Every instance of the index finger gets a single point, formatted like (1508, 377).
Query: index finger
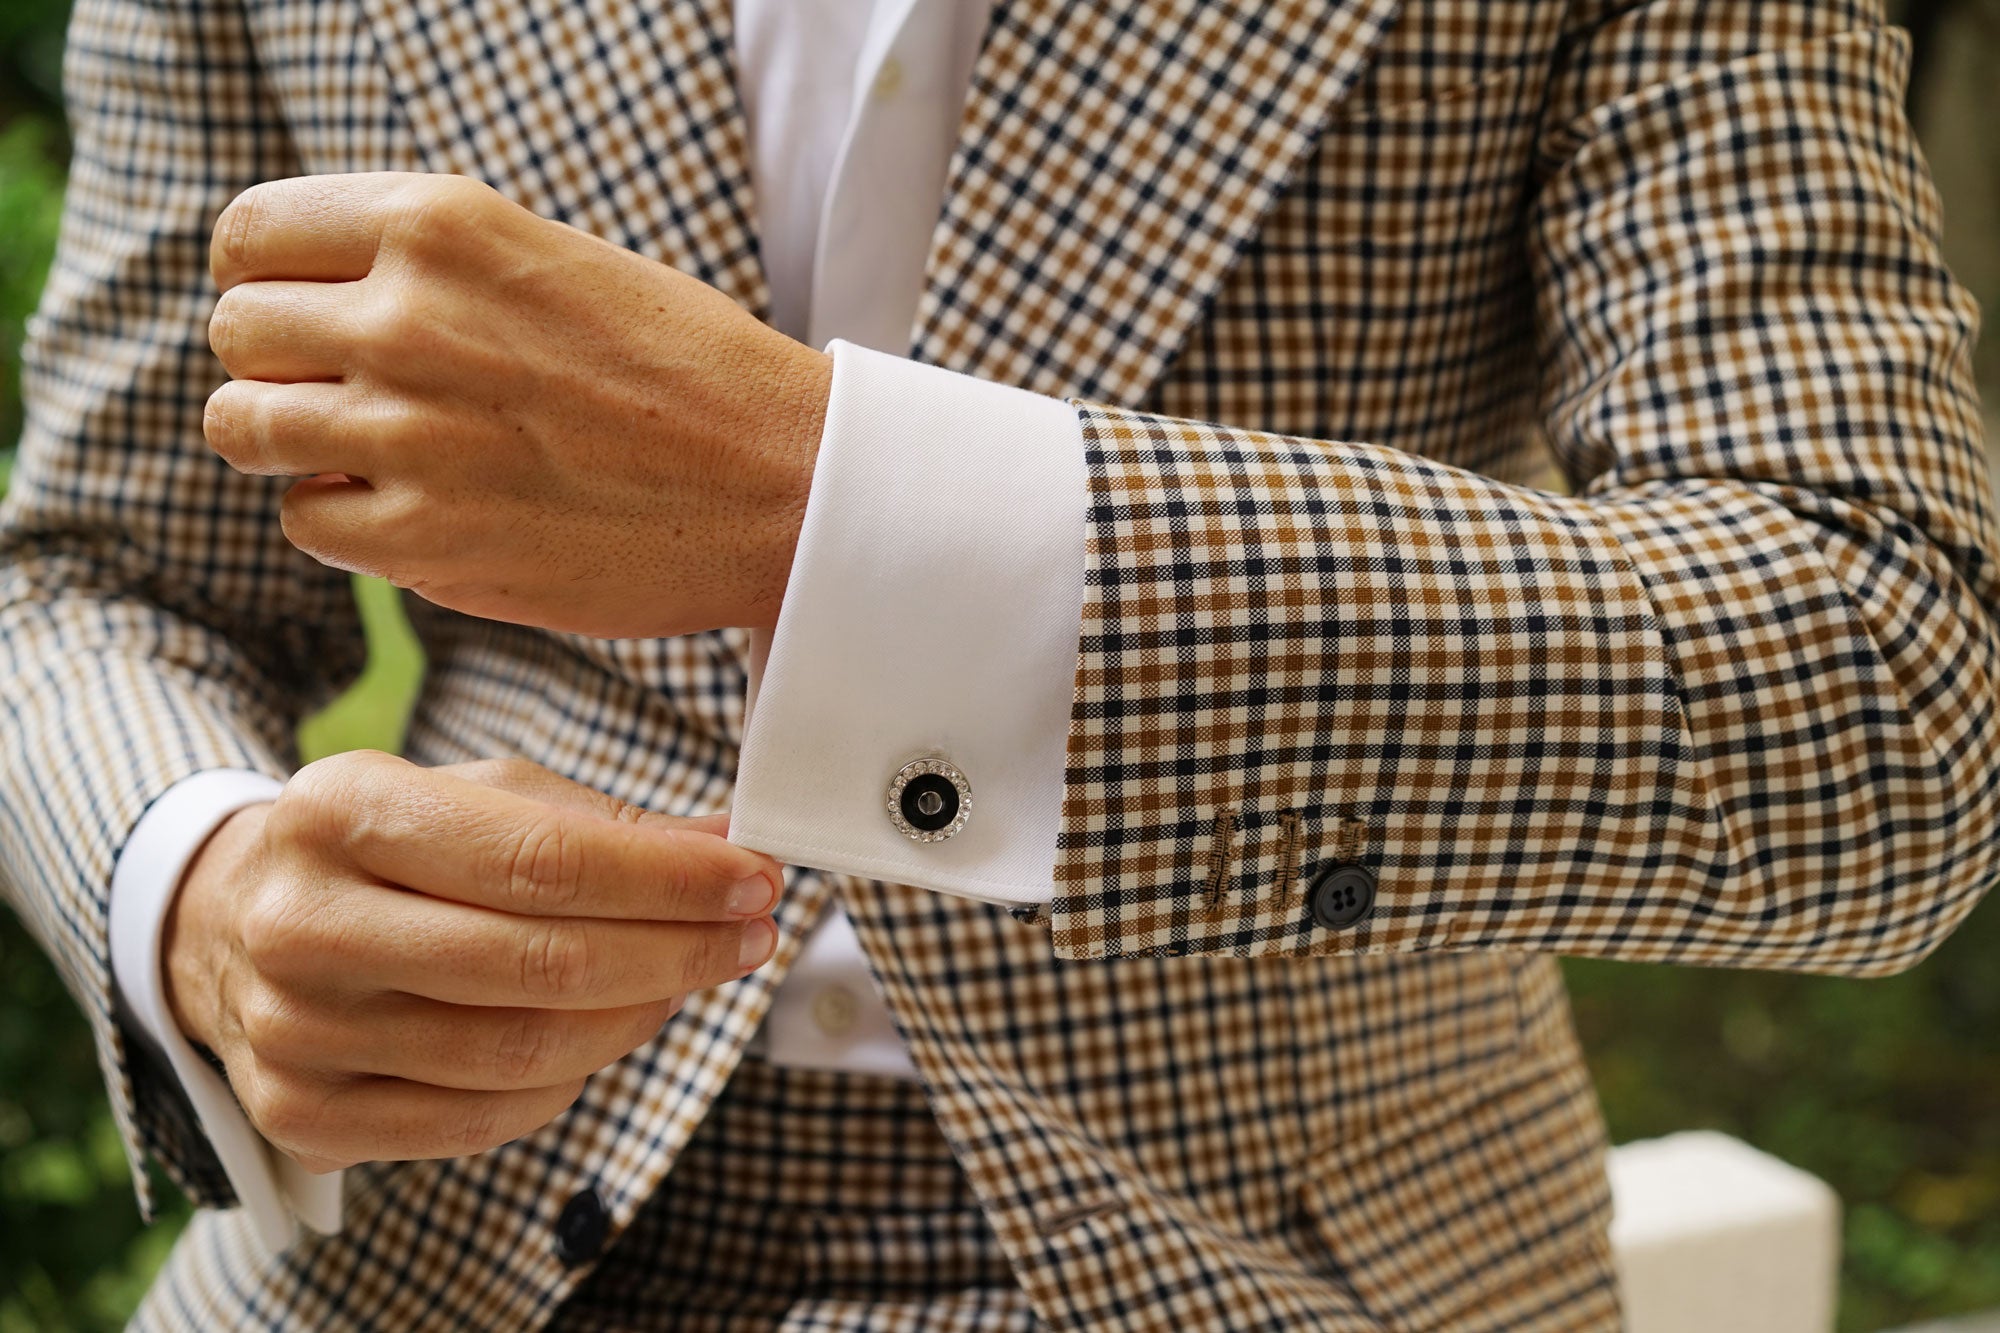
(306, 228)
(450, 838)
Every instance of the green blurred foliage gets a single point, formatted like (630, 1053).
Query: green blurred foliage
(30, 206)
(1889, 1090)
(32, 149)
(73, 1254)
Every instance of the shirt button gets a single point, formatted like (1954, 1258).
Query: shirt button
(581, 1228)
(1342, 895)
(834, 1011)
(888, 79)
(929, 800)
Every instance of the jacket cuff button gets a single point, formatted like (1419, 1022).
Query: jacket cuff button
(1341, 896)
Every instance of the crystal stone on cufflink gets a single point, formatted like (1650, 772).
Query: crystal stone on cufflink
(929, 800)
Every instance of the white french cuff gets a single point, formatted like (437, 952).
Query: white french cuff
(272, 1188)
(931, 620)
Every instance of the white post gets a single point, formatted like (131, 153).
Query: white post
(1712, 1236)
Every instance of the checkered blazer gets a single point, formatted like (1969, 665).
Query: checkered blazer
(1532, 456)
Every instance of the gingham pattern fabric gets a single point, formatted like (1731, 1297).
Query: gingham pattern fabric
(807, 1202)
(1732, 701)
(1727, 702)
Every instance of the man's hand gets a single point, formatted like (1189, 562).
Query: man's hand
(396, 962)
(506, 415)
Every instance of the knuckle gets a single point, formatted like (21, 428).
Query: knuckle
(222, 423)
(509, 773)
(272, 928)
(514, 768)
(437, 215)
(482, 772)
(302, 529)
(405, 517)
(283, 1110)
(242, 424)
(482, 1125)
(524, 1051)
(331, 803)
(271, 1025)
(385, 533)
(556, 960)
(648, 1021)
(710, 961)
(313, 799)
(262, 422)
(225, 327)
(235, 234)
(680, 891)
(393, 327)
(439, 221)
(547, 866)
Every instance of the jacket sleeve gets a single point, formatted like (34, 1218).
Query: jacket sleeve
(1730, 700)
(154, 622)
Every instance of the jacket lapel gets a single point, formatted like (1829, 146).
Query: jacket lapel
(1113, 160)
(620, 118)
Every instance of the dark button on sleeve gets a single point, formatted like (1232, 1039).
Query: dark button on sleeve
(1342, 895)
(581, 1228)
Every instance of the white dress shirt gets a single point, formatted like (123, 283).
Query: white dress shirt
(934, 602)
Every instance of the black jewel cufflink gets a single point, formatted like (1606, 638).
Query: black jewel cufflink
(929, 800)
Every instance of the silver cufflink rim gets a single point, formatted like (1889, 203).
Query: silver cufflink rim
(913, 770)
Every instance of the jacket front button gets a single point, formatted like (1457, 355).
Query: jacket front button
(581, 1228)
(1341, 895)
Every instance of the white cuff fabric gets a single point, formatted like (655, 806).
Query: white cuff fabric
(932, 613)
(272, 1188)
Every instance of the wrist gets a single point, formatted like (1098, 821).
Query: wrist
(192, 937)
(797, 420)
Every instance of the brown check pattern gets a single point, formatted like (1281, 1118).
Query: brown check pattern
(806, 1202)
(1592, 540)
(1727, 702)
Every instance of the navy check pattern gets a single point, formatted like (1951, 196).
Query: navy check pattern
(1728, 700)
(1532, 456)
(808, 1202)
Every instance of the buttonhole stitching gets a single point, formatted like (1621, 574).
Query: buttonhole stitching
(1348, 840)
(1289, 828)
(1064, 1218)
(1221, 856)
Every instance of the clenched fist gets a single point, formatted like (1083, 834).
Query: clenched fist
(506, 415)
(396, 962)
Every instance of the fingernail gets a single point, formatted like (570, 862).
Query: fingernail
(751, 896)
(758, 937)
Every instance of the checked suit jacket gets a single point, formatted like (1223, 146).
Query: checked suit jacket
(1532, 456)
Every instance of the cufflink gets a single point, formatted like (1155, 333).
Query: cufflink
(929, 800)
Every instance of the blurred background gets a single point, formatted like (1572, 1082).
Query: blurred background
(1888, 1090)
